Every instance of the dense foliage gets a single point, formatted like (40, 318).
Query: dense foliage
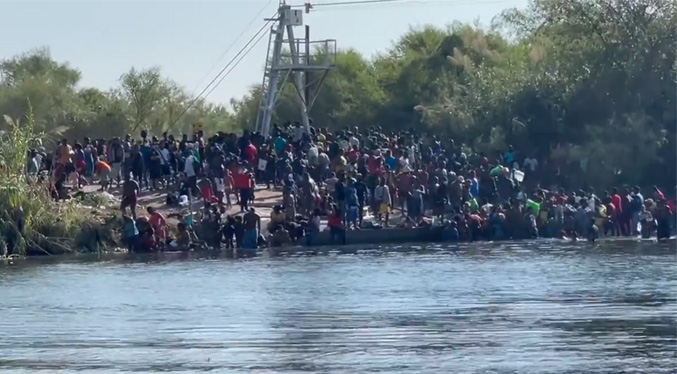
(31, 223)
(144, 99)
(588, 84)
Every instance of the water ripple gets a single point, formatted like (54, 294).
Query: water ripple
(542, 307)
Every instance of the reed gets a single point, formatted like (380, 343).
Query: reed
(31, 222)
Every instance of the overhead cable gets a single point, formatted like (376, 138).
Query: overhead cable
(220, 74)
(256, 17)
(236, 64)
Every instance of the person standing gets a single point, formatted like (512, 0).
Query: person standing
(190, 172)
(130, 193)
(252, 225)
(383, 202)
(116, 159)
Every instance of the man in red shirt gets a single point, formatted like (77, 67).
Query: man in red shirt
(616, 200)
(251, 153)
(353, 155)
(375, 163)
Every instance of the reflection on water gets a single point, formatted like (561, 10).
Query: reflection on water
(509, 308)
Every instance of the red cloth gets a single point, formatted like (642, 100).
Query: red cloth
(251, 153)
(241, 181)
(207, 193)
(81, 165)
(374, 164)
(353, 156)
(335, 220)
(617, 202)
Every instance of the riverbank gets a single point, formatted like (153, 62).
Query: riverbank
(264, 203)
(103, 235)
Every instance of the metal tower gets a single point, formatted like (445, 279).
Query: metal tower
(293, 58)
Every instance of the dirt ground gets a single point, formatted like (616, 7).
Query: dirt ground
(264, 202)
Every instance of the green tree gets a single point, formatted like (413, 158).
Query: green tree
(144, 89)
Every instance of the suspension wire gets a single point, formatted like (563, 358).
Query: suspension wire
(355, 2)
(219, 75)
(409, 2)
(236, 64)
(230, 47)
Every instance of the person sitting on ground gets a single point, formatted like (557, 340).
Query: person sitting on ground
(159, 224)
(280, 237)
(277, 218)
(146, 241)
(183, 241)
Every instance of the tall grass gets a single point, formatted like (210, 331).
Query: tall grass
(31, 222)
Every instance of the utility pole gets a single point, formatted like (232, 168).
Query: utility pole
(291, 59)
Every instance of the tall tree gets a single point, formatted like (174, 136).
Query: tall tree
(144, 89)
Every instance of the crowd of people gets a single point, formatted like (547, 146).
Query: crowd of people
(357, 178)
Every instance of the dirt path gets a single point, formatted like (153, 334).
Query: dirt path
(264, 202)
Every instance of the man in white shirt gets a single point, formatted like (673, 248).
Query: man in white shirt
(530, 164)
(313, 154)
(299, 130)
(189, 170)
(344, 144)
(353, 141)
(166, 156)
(331, 183)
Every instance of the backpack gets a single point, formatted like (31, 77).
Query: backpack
(636, 203)
(118, 153)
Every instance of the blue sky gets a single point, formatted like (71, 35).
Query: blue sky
(104, 38)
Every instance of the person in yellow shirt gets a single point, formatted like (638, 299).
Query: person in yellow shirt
(601, 216)
(277, 218)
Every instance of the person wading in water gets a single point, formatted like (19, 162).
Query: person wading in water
(252, 224)
(130, 193)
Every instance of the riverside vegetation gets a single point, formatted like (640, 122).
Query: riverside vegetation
(589, 84)
(31, 223)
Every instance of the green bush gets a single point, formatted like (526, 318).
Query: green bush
(31, 222)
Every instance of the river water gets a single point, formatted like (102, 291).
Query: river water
(508, 308)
